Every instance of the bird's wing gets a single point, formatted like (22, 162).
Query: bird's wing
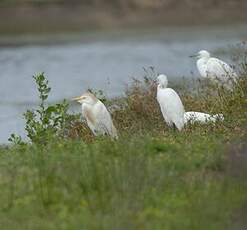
(198, 117)
(176, 105)
(220, 69)
(190, 117)
(171, 106)
(89, 117)
(104, 120)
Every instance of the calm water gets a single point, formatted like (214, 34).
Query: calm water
(104, 61)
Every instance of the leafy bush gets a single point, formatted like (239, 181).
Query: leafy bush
(47, 121)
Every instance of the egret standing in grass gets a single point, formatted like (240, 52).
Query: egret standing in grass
(97, 116)
(203, 118)
(170, 104)
(215, 69)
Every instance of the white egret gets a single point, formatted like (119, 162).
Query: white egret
(97, 116)
(215, 69)
(192, 117)
(170, 103)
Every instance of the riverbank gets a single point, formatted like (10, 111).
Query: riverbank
(101, 60)
(151, 177)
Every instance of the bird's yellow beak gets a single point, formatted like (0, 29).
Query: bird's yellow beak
(77, 98)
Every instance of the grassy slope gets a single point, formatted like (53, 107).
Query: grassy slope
(151, 178)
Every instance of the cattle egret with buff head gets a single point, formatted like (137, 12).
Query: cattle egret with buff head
(96, 114)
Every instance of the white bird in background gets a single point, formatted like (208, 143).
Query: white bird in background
(170, 104)
(215, 69)
(203, 118)
(97, 116)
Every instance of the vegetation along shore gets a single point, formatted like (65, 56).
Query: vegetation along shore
(152, 177)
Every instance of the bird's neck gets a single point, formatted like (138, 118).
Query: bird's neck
(89, 105)
(162, 86)
(202, 66)
(86, 106)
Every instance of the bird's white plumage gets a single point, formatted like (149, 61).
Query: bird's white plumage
(215, 69)
(96, 115)
(192, 117)
(104, 121)
(170, 103)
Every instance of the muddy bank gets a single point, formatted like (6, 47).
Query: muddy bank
(36, 18)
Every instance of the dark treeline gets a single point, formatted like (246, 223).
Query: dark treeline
(132, 3)
(38, 16)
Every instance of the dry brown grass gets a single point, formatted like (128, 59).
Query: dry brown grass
(79, 130)
(141, 112)
(138, 112)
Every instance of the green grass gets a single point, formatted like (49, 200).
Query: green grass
(151, 178)
(175, 182)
